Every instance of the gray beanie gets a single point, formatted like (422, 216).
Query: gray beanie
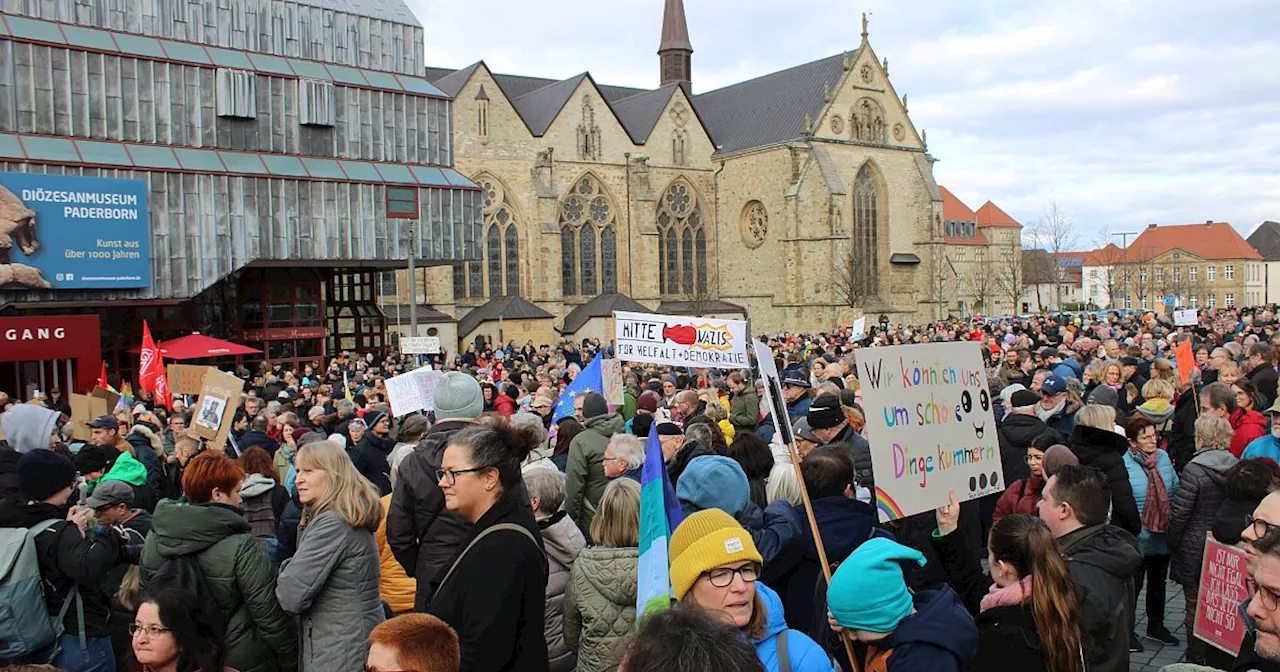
(458, 396)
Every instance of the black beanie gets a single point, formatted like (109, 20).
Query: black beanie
(825, 412)
(91, 459)
(42, 473)
(593, 404)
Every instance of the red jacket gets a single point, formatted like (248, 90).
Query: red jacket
(1021, 497)
(1249, 425)
(504, 405)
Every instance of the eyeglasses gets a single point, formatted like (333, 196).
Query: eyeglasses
(451, 475)
(1269, 599)
(1035, 458)
(136, 630)
(721, 577)
(1261, 528)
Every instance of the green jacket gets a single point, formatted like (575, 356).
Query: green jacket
(600, 605)
(260, 637)
(744, 411)
(128, 469)
(584, 470)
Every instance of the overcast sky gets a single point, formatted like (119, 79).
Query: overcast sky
(1126, 112)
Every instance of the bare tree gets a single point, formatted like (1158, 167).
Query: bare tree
(702, 298)
(1107, 259)
(1007, 272)
(1140, 272)
(1039, 269)
(853, 278)
(983, 286)
(1054, 232)
(943, 280)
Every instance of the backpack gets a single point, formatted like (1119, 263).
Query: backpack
(183, 573)
(26, 628)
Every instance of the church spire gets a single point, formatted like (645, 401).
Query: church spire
(675, 53)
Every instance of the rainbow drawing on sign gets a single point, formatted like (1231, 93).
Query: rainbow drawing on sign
(887, 506)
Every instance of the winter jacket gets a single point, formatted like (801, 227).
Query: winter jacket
(600, 605)
(27, 427)
(803, 654)
(584, 472)
(504, 405)
(287, 530)
(263, 501)
(282, 460)
(1182, 430)
(1194, 507)
(563, 542)
(1232, 517)
(1264, 380)
(331, 584)
(744, 411)
(1064, 421)
(149, 450)
(859, 451)
(940, 637)
(844, 523)
(1249, 426)
(773, 529)
(1007, 635)
(1263, 446)
(496, 597)
(1015, 435)
(9, 474)
(396, 587)
(1152, 543)
(681, 460)
(799, 408)
(260, 636)
(68, 558)
(131, 471)
(423, 534)
(253, 438)
(1102, 560)
(1104, 450)
(370, 457)
(1158, 411)
(1020, 497)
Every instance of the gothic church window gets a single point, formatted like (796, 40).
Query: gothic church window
(500, 266)
(683, 264)
(866, 219)
(586, 218)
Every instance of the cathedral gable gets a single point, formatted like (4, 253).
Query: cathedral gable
(586, 129)
(864, 107)
(678, 137)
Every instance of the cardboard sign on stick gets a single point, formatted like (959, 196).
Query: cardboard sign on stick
(930, 426)
(84, 408)
(219, 398)
(420, 345)
(186, 379)
(1223, 587)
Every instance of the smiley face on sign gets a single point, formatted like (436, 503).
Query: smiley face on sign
(966, 403)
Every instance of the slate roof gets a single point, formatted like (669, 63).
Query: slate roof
(1211, 240)
(640, 113)
(505, 307)
(426, 314)
(770, 109)
(451, 81)
(539, 107)
(1266, 240)
(395, 11)
(600, 306)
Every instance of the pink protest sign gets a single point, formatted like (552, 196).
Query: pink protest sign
(1223, 587)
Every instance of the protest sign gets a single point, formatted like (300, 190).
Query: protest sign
(1187, 317)
(420, 345)
(413, 391)
(930, 425)
(774, 401)
(1223, 588)
(611, 373)
(219, 397)
(676, 340)
(84, 408)
(185, 378)
(859, 331)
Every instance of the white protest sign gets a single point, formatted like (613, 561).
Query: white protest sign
(611, 373)
(1186, 317)
(774, 401)
(676, 340)
(930, 425)
(420, 345)
(859, 329)
(413, 391)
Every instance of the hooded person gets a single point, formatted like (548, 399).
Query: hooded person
(148, 448)
(25, 428)
(584, 471)
(718, 482)
(903, 632)
(370, 455)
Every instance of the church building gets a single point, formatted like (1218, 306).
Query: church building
(797, 199)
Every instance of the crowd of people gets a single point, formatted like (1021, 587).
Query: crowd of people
(490, 534)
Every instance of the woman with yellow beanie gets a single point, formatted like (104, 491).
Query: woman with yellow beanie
(715, 565)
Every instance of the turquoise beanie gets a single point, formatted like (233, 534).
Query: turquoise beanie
(713, 482)
(868, 591)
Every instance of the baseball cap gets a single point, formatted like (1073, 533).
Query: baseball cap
(105, 422)
(804, 431)
(1052, 385)
(109, 493)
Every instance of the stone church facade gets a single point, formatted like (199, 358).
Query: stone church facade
(797, 199)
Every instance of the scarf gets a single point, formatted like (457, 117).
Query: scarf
(1045, 414)
(1012, 595)
(1155, 514)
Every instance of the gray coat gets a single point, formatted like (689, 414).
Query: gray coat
(563, 542)
(1194, 508)
(331, 583)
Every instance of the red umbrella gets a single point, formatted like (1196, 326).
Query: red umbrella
(197, 346)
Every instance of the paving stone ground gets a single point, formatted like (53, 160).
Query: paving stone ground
(1156, 655)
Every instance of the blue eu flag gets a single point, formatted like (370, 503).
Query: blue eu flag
(589, 379)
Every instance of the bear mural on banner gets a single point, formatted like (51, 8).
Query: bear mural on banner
(18, 225)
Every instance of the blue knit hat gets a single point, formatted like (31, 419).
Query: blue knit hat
(868, 591)
(713, 482)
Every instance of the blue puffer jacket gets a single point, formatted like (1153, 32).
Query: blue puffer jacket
(804, 653)
(1263, 446)
(1152, 543)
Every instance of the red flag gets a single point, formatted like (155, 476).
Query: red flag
(1186, 359)
(149, 368)
(162, 395)
(102, 377)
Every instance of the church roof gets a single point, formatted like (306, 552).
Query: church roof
(505, 307)
(708, 306)
(675, 30)
(539, 107)
(1266, 240)
(600, 306)
(398, 312)
(640, 113)
(770, 109)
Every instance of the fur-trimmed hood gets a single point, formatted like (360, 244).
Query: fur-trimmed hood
(150, 434)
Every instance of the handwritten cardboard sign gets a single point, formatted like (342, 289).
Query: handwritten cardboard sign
(185, 378)
(1223, 587)
(84, 408)
(611, 375)
(217, 404)
(420, 345)
(930, 426)
(413, 391)
(676, 340)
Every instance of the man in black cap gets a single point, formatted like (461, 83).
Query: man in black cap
(795, 390)
(1017, 430)
(72, 555)
(828, 423)
(584, 471)
(112, 505)
(371, 454)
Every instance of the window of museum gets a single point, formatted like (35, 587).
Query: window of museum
(1229, 273)
(587, 218)
(387, 285)
(1177, 275)
(402, 202)
(1213, 301)
(1159, 275)
(315, 103)
(236, 92)
(682, 259)
(866, 227)
(1211, 273)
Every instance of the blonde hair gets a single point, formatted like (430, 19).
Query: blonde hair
(783, 485)
(1163, 369)
(350, 495)
(1097, 369)
(1097, 417)
(1158, 388)
(617, 520)
(1212, 432)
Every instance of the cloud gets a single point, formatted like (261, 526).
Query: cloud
(1126, 112)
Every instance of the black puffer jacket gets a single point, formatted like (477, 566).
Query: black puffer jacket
(1102, 560)
(684, 456)
(9, 474)
(370, 457)
(858, 449)
(1182, 433)
(1104, 450)
(1015, 434)
(1193, 509)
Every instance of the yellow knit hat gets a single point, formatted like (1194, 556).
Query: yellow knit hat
(704, 541)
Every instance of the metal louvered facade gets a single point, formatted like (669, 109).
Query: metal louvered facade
(267, 132)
